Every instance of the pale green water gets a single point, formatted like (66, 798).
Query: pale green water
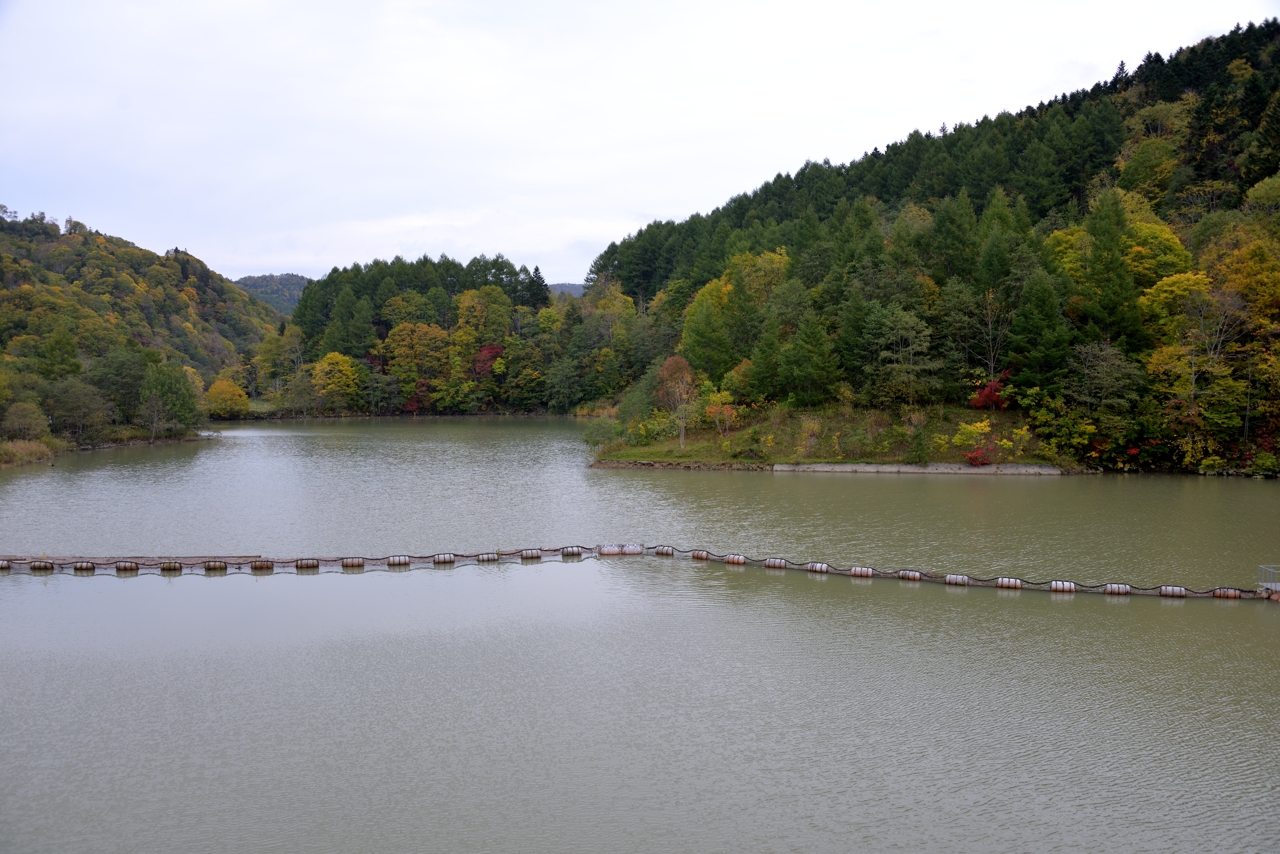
(626, 704)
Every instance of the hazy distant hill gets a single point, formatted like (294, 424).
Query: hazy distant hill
(571, 288)
(280, 291)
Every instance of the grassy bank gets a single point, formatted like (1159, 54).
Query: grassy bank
(932, 434)
(19, 452)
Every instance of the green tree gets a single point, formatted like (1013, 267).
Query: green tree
(903, 369)
(807, 365)
(337, 383)
(58, 355)
(167, 396)
(762, 379)
(705, 342)
(1040, 338)
(350, 330)
(119, 374)
(78, 410)
(1112, 297)
(25, 421)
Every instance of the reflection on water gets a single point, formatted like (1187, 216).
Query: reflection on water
(630, 703)
(418, 487)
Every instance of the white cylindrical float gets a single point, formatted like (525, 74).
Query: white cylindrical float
(775, 563)
(215, 566)
(608, 550)
(1117, 589)
(664, 551)
(817, 566)
(126, 566)
(909, 574)
(699, 554)
(1173, 591)
(1226, 593)
(84, 566)
(738, 560)
(862, 572)
(1009, 583)
(171, 566)
(353, 563)
(306, 563)
(399, 560)
(443, 557)
(571, 551)
(261, 565)
(633, 549)
(42, 566)
(958, 580)
(531, 554)
(1062, 587)
(487, 557)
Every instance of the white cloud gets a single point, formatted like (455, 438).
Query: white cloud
(293, 136)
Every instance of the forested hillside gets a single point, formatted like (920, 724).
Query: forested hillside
(103, 340)
(280, 291)
(1106, 262)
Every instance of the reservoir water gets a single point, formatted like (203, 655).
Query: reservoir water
(625, 704)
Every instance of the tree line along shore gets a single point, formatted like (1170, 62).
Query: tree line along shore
(1090, 282)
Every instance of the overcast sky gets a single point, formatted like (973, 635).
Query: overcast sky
(272, 137)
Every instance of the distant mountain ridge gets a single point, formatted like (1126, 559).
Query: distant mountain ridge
(278, 290)
(571, 288)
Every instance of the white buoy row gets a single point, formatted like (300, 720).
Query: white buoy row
(221, 565)
(1009, 583)
(571, 551)
(262, 565)
(817, 566)
(632, 549)
(664, 551)
(958, 580)
(909, 574)
(399, 560)
(699, 554)
(1117, 590)
(306, 563)
(862, 572)
(443, 557)
(1062, 587)
(1174, 591)
(736, 560)
(608, 550)
(487, 557)
(775, 563)
(84, 566)
(126, 566)
(531, 554)
(353, 563)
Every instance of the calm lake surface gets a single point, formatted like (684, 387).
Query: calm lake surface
(625, 704)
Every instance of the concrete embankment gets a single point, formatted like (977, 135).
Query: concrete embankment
(844, 468)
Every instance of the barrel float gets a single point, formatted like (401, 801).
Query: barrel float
(443, 557)
(633, 549)
(1173, 591)
(353, 563)
(1062, 587)
(862, 572)
(126, 566)
(1117, 589)
(5, 566)
(215, 566)
(571, 551)
(84, 566)
(775, 563)
(531, 554)
(609, 550)
(306, 563)
(699, 554)
(737, 560)
(487, 557)
(1226, 593)
(171, 566)
(1009, 583)
(958, 580)
(817, 566)
(261, 565)
(398, 560)
(909, 574)
(42, 566)
(664, 551)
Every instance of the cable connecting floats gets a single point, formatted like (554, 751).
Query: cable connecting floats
(218, 565)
